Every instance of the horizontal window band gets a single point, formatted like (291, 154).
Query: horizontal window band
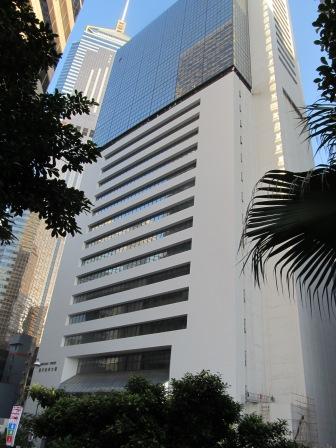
(185, 152)
(152, 142)
(141, 223)
(136, 361)
(166, 298)
(145, 239)
(290, 74)
(284, 32)
(145, 188)
(154, 128)
(139, 261)
(138, 282)
(144, 204)
(284, 54)
(152, 327)
(150, 156)
(285, 63)
(293, 105)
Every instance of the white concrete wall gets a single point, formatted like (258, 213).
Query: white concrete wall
(255, 338)
(319, 348)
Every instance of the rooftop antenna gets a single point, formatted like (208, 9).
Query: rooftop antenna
(121, 25)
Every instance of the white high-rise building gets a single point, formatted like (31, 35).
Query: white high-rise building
(87, 69)
(88, 66)
(198, 106)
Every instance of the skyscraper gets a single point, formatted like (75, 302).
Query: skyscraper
(88, 66)
(25, 283)
(25, 287)
(61, 16)
(28, 266)
(198, 106)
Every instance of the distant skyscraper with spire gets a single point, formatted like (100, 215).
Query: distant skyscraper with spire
(86, 69)
(88, 66)
(28, 267)
(200, 104)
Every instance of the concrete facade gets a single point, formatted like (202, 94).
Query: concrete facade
(197, 162)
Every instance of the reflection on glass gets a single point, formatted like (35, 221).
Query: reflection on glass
(191, 43)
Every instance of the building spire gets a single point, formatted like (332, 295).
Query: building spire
(121, 25)
(125, 11)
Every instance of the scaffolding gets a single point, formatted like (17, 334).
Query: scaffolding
(304, 421)
(258, 398)
(261, 404)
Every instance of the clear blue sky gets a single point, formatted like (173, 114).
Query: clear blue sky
(141, 12)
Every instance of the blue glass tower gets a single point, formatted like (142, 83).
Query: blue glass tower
(159, 66)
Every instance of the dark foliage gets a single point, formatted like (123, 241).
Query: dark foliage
(253, 432)
(196, 411)
(193, 398)
(133, 418)
(44, 396)
(292, 219)
(36, 146)
(325, 25)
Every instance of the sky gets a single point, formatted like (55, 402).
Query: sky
(105, 13)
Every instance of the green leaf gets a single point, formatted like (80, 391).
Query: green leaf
(36, 145)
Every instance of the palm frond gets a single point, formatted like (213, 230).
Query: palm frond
(292, 219)
(320, 122)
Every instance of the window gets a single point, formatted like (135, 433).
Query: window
(148, 203)
(129, 307)
(148, 258)
(143, 190)
(176, 54)
(150, 279)
(147, 172)
(293, 105)
(150, 156)
(156, 326)
(148, 360)
(143, 222)
(154, 128)
(163, 233)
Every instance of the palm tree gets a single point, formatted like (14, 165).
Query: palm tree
(292, 216)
